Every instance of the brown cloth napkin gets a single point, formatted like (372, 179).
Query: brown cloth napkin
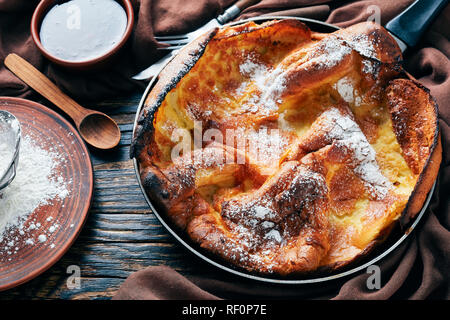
(418, 269)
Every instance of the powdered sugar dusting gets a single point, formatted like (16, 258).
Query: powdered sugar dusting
(346, 132)
(266, 145)
(273, 235)
(363, 45)
(330, 52)
(256, 72)
(346, 89)
(369, 67)
(269, 82)
(257, 222)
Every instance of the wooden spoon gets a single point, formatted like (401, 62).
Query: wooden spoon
(96, 128)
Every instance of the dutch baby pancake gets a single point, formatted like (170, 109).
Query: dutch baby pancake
(284, 151)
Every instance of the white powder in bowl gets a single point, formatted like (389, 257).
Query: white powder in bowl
(8, 127)
(6, 155)
(36, 184)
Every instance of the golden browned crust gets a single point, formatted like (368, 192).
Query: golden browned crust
(358, 149)
(383, 47)
(414, 115)
(173, 72)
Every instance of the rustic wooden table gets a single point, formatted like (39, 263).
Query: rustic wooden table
(121, 234)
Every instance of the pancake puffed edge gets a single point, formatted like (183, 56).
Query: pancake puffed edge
(373, 41)
(430, 169)
(423, 185)
(388, 52)
(169, 77)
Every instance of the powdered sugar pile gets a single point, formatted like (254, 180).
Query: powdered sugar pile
(270, 84)
(348, 134)
(363, 45)
(330, 52)
(347, 91)
(36, 184)
(256, 72)
(345, 88)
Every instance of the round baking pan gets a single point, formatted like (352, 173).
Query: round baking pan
(396, 237)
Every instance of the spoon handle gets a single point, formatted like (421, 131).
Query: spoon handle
(39, 82)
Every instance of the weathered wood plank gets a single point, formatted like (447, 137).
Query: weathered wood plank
(124, 228)
(117, 190)
(104, 266)
(121, 153)
(124, 118)
(52, 287)
(114, 166)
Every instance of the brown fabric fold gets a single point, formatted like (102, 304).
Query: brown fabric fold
(419, 267)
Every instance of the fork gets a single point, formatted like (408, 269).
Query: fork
(174, 42)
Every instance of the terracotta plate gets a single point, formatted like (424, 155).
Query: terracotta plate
(23, 255)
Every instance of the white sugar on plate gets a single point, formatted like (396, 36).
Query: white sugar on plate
(42, 238)
(36, 184)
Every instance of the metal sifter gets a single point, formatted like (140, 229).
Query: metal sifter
(10, 136)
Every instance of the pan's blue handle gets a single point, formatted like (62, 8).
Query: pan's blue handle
(412, 23)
